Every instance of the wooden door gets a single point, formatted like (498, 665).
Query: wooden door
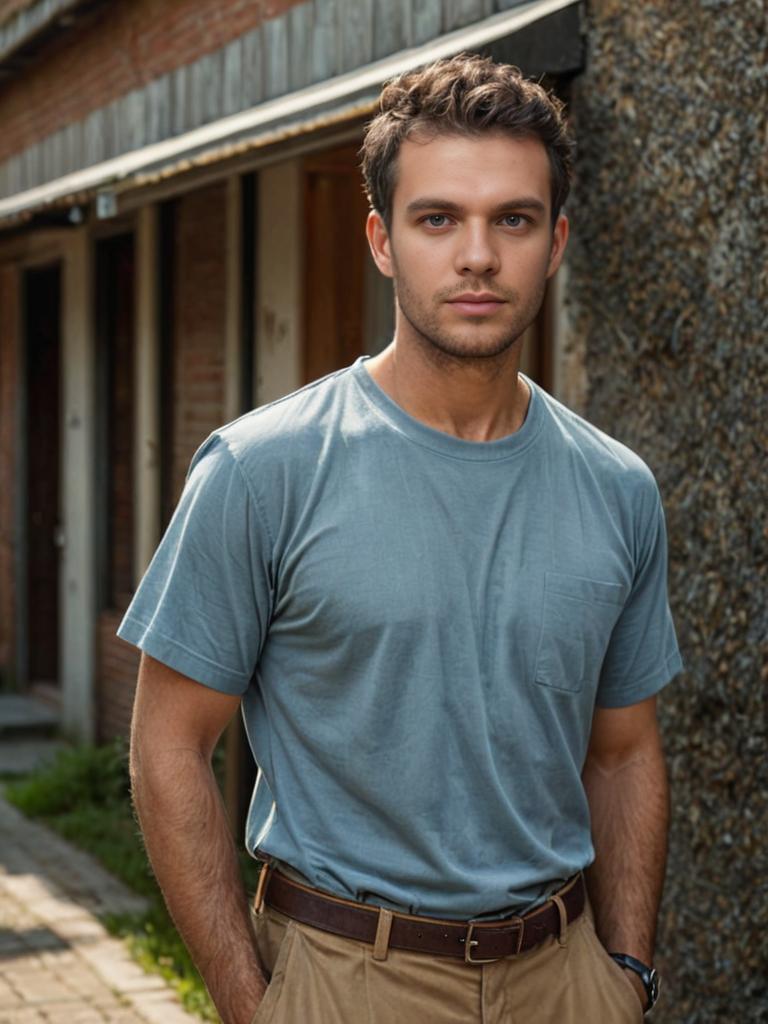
(335, 251)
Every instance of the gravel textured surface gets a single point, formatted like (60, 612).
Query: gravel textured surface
(669, 295)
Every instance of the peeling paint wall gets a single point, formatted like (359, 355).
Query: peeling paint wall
(669, 298)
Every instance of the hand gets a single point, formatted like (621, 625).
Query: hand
(239, 1004)
(638, 986)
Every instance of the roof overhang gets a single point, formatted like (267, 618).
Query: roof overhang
(344, 98)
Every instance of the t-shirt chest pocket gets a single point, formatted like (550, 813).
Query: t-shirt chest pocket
(577, 620)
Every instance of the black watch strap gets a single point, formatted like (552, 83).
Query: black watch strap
(648, 975)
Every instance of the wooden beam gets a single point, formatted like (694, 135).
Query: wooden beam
(78, 576)
(146, 514)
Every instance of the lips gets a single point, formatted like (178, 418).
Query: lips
(476, 303)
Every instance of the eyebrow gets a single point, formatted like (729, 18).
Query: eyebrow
(432, 203)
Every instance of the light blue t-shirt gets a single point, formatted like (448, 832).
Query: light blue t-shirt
(420, 628)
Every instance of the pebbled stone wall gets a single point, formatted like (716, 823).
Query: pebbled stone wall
(668, 300)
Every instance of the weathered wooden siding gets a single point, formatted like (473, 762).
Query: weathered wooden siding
(8, 8)
(306, 43)
(119, 65)
(21, 20)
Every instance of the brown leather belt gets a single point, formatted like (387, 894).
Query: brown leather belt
(473, 942)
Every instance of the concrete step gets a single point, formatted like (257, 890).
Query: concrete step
(22, 756)
(28, 730)
(22, 716)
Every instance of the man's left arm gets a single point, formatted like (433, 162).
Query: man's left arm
(625, 779)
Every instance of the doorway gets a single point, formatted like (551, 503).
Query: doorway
(114, 306)
(336, 252)
(41, 307)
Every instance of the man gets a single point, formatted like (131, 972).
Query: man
(441, 599)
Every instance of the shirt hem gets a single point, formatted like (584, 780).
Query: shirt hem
(178, 657)
(647, 687)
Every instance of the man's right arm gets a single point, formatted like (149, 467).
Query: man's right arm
(176, 725)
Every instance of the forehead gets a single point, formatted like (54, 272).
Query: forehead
(490, 168)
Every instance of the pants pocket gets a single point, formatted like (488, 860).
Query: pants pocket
(272, 995)
(623, 995)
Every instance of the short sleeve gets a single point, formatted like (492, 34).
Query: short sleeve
(204, 604)
(643, 654)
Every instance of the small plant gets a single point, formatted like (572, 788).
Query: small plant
(80, 776)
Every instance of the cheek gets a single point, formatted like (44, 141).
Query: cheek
(530, 263)
(421, 270)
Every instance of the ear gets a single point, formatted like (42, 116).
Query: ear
(378, 240)
(559, 242)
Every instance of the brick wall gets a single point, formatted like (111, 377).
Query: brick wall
(199, 323)
(8, 409)
(129, 43)
(196, 393)
(10, 7)
(117, 666)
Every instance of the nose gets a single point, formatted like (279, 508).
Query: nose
(476, 252)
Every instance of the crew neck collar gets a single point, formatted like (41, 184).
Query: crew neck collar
(441, 441)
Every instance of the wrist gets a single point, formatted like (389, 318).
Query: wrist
(645, 980)
(638, 986)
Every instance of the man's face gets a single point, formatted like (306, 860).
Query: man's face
(471, 243)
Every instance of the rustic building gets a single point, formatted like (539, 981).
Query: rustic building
(181, 238)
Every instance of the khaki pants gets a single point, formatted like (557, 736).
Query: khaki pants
(318, 978)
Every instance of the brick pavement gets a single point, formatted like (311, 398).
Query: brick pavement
(58, 965)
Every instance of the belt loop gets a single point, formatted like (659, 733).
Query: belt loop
(383, 928)
(261, 888)
(561, 938)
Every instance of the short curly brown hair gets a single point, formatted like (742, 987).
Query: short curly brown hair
(463, 95)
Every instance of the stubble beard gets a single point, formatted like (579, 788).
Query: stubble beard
(477, 344)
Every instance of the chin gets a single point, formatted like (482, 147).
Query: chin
(472, 348)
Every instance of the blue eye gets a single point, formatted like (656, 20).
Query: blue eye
(435, 217)
(519, 221)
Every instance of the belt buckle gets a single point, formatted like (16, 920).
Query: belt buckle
(470, 943)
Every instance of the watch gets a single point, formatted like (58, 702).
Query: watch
(648, 975)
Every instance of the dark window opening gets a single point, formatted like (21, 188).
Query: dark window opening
(115, 329)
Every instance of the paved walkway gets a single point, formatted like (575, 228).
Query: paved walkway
(58, 965)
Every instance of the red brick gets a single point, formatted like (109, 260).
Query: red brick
(117, 666)
(200, 324)
(127, 44)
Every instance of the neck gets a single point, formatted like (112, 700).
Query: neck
(479, 399)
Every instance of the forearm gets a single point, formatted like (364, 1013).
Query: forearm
(629, 805)
(193, 856)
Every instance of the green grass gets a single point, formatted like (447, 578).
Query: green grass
(84, 796)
